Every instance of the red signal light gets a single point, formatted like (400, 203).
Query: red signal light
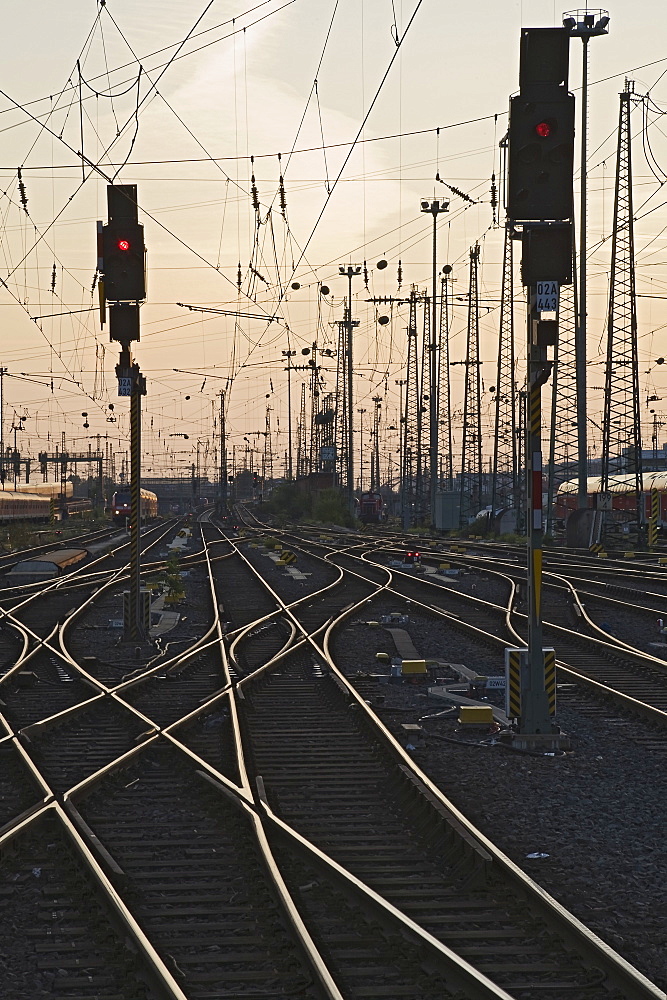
(544, 129)
(123, 245)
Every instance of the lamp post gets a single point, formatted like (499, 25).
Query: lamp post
(433, 206)
(584, 24)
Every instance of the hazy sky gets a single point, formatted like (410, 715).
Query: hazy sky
(260, 82)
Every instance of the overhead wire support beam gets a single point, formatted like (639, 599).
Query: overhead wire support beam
(231, 312)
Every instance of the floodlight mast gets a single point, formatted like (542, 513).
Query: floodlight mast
(584, 24)
(434, 206)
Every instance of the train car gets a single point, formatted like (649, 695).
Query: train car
(623, 497)
(121, 504)
(16, 506)
(44, 567)
(371, 508)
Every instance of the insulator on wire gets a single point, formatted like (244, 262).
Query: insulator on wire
(239, 277)
(399, 276)
(53, 279)
(494, 196)
(94, 284)
(365, 275)
(24, 198)
(283, 199)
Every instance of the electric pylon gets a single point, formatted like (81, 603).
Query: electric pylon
(471, 448)
(375, 456)
(621, 426)
(505, 469)
(267, 471)
(301, 448)
(446, 447)
(564, 429)
(313, 451)
(424, 414)
(412, 470)
(327, 439)
(341, 435)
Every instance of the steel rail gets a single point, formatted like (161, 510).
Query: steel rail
(152, 960)
(633, 705)
(617, 968)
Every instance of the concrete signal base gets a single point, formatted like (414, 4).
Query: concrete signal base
(544, 742)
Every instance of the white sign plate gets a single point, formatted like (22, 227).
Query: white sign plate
(124, 386)
(547, 295)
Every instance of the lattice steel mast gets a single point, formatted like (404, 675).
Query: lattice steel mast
(267, 460)
(621, 426)
(505, 469)
(423, 468)
(412, 423)
(563, 432)
(340, 409)
(471, 447)
(301, 447)
(446, 449)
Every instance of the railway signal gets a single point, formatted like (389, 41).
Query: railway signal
(541, 156)
(539, 211)
(123, 248)
(122, 261)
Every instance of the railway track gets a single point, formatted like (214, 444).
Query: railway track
(243, 825)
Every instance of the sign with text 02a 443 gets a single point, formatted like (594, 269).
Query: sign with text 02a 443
(546, 296)
(124, 386)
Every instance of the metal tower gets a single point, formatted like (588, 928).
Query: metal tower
(341, 437)
(564, 425)
(425, 389)
(445, 415)
(375, 456)
(301, 447)
(505, 469)
(326, 423)
(621, 426)
(314, 442)
(344, 392)
(267, 458)
(471, 448)
(412, 469)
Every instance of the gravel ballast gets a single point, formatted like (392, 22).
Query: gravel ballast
(598, 812)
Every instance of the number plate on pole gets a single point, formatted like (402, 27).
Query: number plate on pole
(546, 296)
(124, 386)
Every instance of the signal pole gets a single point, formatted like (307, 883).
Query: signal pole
(122, 261)
(540, 202)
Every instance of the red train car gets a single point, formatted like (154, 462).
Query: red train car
(623, 496)
(372, 508)
(121, 502)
